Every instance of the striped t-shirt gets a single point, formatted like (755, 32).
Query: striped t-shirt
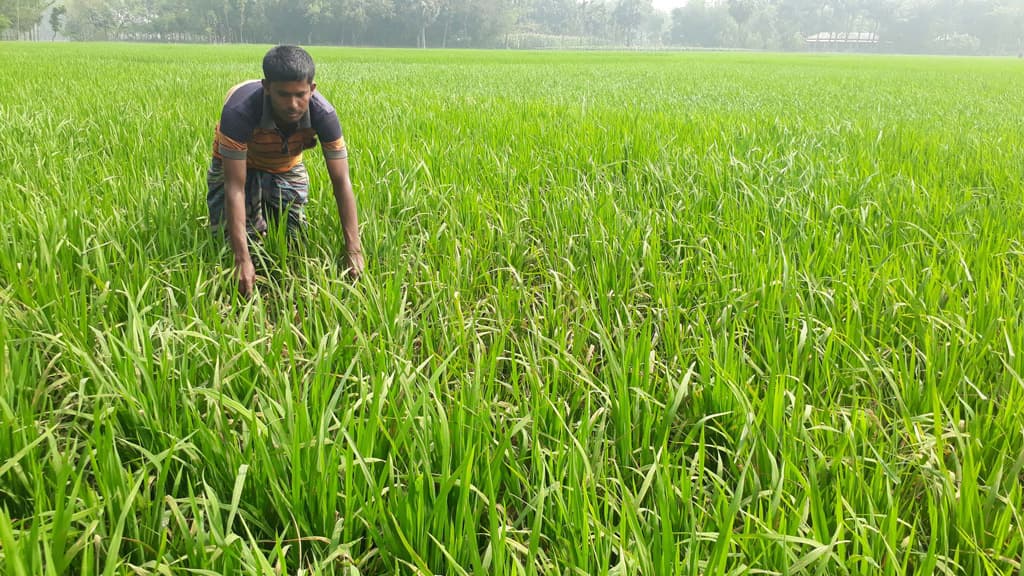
(247, 131)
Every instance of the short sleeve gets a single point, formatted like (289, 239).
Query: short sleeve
(335, 149)
(233, 134)
(332, 141)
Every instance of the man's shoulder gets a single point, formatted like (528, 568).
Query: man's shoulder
(319, 104)
(323, 117)
(243, 106)
(244, 94)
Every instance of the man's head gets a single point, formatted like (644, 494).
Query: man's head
(288, 80)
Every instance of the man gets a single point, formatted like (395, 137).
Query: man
(257, 173)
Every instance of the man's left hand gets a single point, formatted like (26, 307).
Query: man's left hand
(355, 263)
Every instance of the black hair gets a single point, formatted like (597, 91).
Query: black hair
(288, 64)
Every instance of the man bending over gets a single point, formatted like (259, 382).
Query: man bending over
(256, 174)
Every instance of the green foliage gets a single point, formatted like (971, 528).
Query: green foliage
(979, 27)
(57, 19)
(623, 314)
(983, 27)
(22, 16)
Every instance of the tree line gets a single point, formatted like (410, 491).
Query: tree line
(943, 26)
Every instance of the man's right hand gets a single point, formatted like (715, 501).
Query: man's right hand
(246, 273)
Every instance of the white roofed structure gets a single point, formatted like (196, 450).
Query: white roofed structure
(842, 40)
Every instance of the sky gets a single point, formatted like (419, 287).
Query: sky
(667, 5)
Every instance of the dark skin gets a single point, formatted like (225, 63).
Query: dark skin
(289, 101)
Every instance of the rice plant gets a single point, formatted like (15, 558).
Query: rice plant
(622, 314)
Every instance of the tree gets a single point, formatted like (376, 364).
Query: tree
(349, 19)
(593, 18)
(653, 27)
(912, 28)
(57, 20)
(696, 24)
(5, 22)
(23, 16)
(761, 29)
(102, 19)
(630, 16)
(421, 14)
(552, 16)
(740, 10)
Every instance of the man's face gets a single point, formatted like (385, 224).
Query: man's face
(290, 100)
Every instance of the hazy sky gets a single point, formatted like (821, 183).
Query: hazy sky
(667, 5)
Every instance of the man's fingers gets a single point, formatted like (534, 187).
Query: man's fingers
(246, 278)
(355, 265)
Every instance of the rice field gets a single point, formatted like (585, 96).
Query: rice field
(622, 314)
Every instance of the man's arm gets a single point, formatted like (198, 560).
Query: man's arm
(234, 206)
(337, 168)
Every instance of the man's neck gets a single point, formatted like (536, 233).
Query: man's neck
(285, 126)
